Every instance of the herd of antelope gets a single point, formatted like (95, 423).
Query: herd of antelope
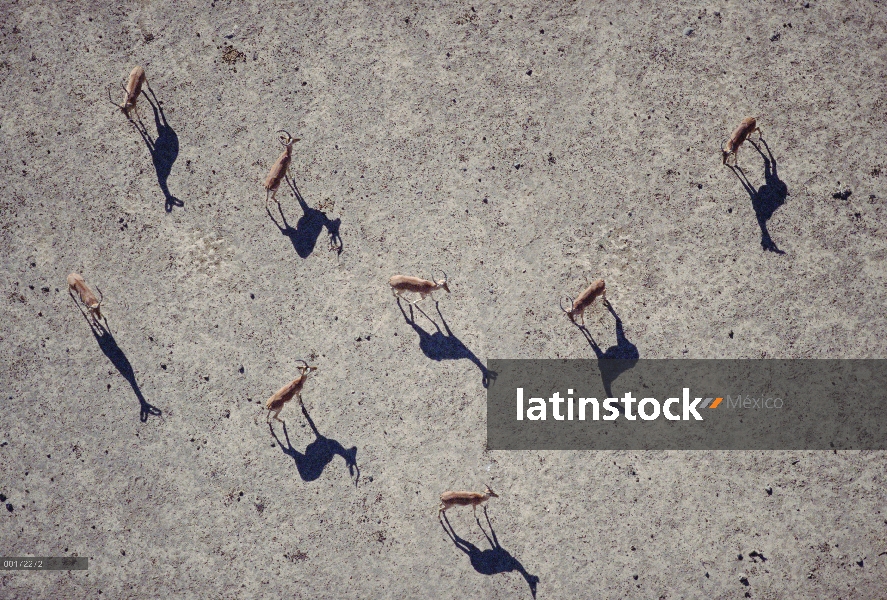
(399, 284)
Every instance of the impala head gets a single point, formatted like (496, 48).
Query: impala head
(442, 284)
(304, 369)
(569, 313)
(96, 309)
(128, 102)
(287, 140)
(101, 299)
(490, 492)
(725, 152)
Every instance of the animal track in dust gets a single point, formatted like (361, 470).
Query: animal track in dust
(209, 255)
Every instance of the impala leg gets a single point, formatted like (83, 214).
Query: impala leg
(604, 298)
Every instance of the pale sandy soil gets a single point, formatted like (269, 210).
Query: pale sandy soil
(413, 118)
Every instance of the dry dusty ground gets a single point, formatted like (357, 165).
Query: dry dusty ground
(414, 119)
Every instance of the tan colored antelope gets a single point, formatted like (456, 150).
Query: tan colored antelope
(450, 499)
(403, 283)
(294, 388)
(78, 284)
(584, 300)
(748, 126)
(133, 88)
(280, 168)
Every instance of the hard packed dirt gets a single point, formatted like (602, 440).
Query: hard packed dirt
(523, 149)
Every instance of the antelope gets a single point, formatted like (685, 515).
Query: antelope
(77, 283)
(280, 168)
(450, 499)
(584, 300)
(403, 283)
(294, 388)
(740, 134)
(133, 89)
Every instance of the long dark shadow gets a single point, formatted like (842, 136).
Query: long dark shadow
(766, 199)
(164, 149)
(318, 454)
(615, 360)
(307, 230)
(440, 346)
(109, 346)
(493, 561)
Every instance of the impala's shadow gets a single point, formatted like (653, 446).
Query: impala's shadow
(440, 346)
(766, 199)
(109, 346)
(164, 149)
(318, 454)
(493, 561)
(617, 359)
(304, 235)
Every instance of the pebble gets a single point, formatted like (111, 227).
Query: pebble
(769, 490)
(688, 31)
(517, 165)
